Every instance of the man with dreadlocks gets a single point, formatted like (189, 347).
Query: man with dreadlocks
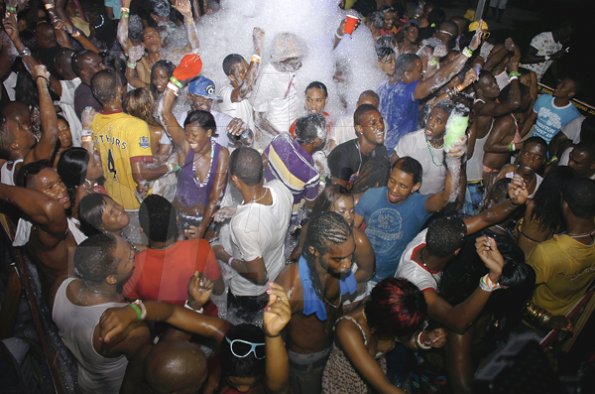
(316, 285)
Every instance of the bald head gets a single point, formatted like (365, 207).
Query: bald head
(175, 366)
(104, 86)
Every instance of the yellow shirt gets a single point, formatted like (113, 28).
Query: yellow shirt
(564, 269)
(120, 137)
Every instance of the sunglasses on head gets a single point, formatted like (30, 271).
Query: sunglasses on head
(242, 349)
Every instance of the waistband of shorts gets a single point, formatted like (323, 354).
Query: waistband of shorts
(308, 360)
(477, 182)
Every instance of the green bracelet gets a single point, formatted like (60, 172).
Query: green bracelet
(11, 9)
(175, 81)
(513, 74)
(511, 147)
(137, 311)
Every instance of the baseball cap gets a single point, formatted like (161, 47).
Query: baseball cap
(203, 87)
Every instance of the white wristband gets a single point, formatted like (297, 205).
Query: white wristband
(486, 284)
(187, 306)
(420, 344)
(230, 260)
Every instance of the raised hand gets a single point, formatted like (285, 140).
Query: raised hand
(183, 7)
(135, 53)
(199, 290)
(487, 249)
(517, 190)
(258, 40)
(476, 40)
(10, 27)
(236, 126)
(277, 313)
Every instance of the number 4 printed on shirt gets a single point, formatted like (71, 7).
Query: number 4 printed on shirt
(111, 166)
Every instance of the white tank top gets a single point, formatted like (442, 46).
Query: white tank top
(6, 175)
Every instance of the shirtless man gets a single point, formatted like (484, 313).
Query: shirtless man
(531, 159)
(314, 291)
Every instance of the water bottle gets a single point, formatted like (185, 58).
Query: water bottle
(456, 126)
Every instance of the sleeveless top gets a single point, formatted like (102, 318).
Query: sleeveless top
(190, 191)
(96, 373)
(339, 374)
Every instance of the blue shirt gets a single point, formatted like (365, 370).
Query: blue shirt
(390, 227)
(551, 118)
(400, 111)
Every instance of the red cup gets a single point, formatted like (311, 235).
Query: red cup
(190, 66)
(350, 24)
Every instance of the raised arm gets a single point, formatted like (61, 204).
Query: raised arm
(49, 121)
(447, 71)
(57, 23)
(499, 134)
(276, 316)
(122, 32)
(245, 87)
(173, 128)
(184, 8)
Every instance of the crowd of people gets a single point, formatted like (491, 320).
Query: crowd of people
(248, 239)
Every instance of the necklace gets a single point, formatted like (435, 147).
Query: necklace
(195, 177)
(254, 199)
(439, 164)
(589, 234)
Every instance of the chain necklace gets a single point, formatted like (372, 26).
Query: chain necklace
(195, 176)
(439, 164)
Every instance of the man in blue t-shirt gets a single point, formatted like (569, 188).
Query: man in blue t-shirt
(394, 214)
(400, 94)
(552, 113)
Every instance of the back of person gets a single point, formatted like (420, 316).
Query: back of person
(96, 374)
(120, 137)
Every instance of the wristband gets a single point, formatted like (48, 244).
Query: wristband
(75, 33)
(486, 284)
(512, 147)
(255, 58)
(10, 9)
(546, 57)
(230, 260)
(173, 88)
(272, 336)
(420, 344)
(176, 82)
(553, 159)
(41, 76)
(513, 74)
(124, 15)
(125, 10)
(137, 311)
(467, 52)
(131, 65)
(512, 79)
(141, 307)
(172, 168)
(432, 61)
(48, 6)
(187, 306)
(25, 52)
(339, 36)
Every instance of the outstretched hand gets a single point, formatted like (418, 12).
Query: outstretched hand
(517, 190)
(476, 40)
(183, 7)
(258, 40)
(277, 313)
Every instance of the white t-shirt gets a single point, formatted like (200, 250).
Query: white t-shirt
(415, 271)
(343, 131)
(242, 109)
(545, 45)
(275, 95)
(431, 159)
(66, 104)
(573, 129)
(259, 231)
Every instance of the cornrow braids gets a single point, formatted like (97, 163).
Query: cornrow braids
(323, 230)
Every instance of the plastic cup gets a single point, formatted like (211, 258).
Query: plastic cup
(350, 24)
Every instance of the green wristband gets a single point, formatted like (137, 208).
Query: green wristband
(513, 74)
(175, 81)
(137, 311)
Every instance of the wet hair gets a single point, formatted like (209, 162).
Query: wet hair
(246, 164)
(202, 118)
(248, 366)
(327, 197)
(231, 60)
(103, 85)
(167, 66)
(405, 62)
(445, 105)
(135, 28)
(317, 85)
(377, 19)
(158, 218)
(579, 194)
(445, 235)
(384, 42)
(324, 230)
(94, 258)
(410, 166)
(90, 212)
(310, 127)
(395, 308)
(139, 103)
(548, 196)
(373, 173)
(360, 111)
(382, 52)
(30, 169)
(72, 168)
